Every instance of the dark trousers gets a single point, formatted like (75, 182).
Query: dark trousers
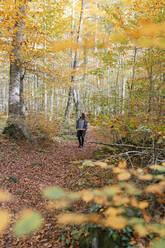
(80, 136)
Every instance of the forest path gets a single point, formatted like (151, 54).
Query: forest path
(25, 171)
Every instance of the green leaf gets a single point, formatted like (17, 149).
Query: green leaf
(115, 236)
(136, 221)
(159, 244)
(54, 193)
(28, 222)
(88, 163)
(160, 141)
(158, 167)
(75, 232)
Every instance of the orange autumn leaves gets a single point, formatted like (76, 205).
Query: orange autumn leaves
(117, 202)
(121, 171)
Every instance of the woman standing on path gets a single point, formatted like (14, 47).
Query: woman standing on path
(81, 126)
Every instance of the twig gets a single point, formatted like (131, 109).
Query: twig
(127, 153)
(130, 160)
(79, 176)
(125, 145)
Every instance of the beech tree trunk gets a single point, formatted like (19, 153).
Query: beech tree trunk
(16, 111)
(16, 71)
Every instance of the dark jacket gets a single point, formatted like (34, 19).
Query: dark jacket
(85, 124)
(85, 127)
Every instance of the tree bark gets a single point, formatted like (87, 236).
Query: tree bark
(16, 102)
(72, 94)
(131, 86)
(151, 94)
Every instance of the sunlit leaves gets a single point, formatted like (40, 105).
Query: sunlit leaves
(87, 195)
(143, 204)
(119, 202)
(111, 211)
(4, 196)
(101, 164)
(141, 230)
(124, 175)
(75, 219)
(59, 198)
(158, 167)
(29, 221)
(145, 177)
(140, 25)
(116, 222)
(122, 164)
(59, 204)
(4, 219)
(4, 214)
(159, 244)
(54, 193)
(156, 188)
(111, 190)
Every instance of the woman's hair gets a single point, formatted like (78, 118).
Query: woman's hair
(83, 116)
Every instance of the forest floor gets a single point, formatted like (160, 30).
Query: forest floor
(25, 170)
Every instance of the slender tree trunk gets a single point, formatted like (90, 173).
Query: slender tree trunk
(123, 95)
(46, 102)
(131, 86)
(161, 98)
(74, 66)
(151, 94)
(69, 102)
(52, 104)
(117, 86)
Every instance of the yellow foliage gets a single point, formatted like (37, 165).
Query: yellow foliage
(59, 204)
(111, 190)
(122, 164)
(74, 219)
(4, 219)
(113, 211)
(141, 230)
(87, 195)
(134, 203)
(143, 204)
(124, 175)
(117, 222)
(102, 200)
(152, 29)
(145, 177)
(156, 188)
(4, 196)
(95, 218)
(43, 127)
(117, 170)
(101, 164)
(120, 200)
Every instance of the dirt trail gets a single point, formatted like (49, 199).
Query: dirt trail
(24, 171)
